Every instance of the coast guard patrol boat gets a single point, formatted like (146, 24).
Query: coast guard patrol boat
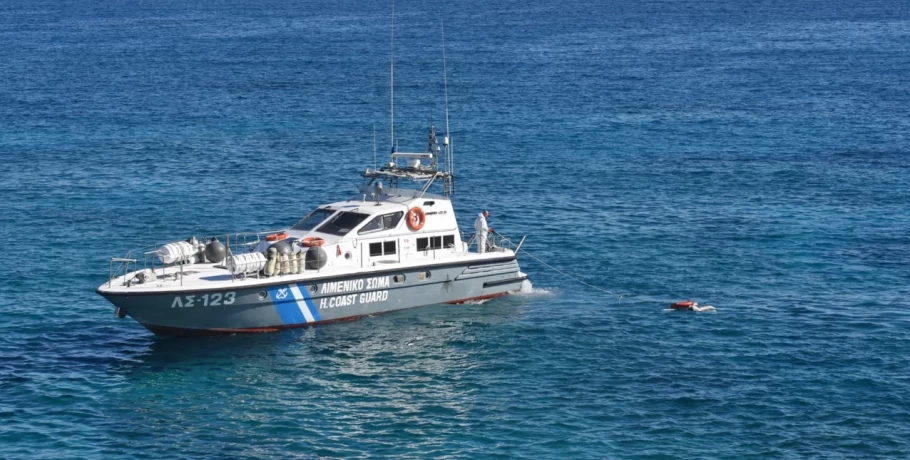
(388, 248)
(395, 245)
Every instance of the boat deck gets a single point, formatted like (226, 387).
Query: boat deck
(209, 276)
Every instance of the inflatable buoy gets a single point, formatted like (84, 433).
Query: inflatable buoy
(272, 267)
(311, 241)
(416, 218)
(276, 236)
(685, 305)
(284, 266)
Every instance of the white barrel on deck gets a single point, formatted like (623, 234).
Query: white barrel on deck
(179, 251)
(246, 263)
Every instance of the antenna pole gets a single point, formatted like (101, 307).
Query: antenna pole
(392, 81)
(450, 157)
(374, 146)
(445, 76)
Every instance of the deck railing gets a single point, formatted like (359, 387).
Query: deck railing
(244, 242)
(132, 261)
(497, 242)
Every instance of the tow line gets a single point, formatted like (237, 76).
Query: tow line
(573, 278)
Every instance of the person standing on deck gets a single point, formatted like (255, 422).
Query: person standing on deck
(481, 230)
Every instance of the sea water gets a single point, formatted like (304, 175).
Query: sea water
(748, 155)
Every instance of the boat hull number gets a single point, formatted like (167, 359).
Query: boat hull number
(214, 299)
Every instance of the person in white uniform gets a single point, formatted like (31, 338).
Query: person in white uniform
(481, 229)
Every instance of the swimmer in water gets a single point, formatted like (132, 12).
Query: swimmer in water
(691, 306)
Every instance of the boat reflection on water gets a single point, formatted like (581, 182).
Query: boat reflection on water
(410, 367)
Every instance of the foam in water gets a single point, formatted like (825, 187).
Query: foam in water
(476, 302)
(528, 289)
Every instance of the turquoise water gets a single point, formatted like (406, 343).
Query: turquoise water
(749, 155)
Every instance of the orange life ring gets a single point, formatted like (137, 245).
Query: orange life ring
(416, 218)
(276, 236)
(313, 241)
(682, 305)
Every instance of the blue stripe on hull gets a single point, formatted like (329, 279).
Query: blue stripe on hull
(286, 305)
(309, 303)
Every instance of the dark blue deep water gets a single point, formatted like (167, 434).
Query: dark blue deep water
(753, 155)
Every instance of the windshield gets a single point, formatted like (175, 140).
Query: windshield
(342, 223)
(313, 219)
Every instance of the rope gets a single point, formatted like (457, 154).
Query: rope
(618, 296)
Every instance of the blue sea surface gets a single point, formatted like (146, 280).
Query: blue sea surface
(752, 155)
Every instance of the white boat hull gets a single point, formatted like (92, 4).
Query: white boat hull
(285, 304)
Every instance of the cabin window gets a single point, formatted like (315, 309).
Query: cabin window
(313, 219)
(388, 247)
(398, 278)
(423, 276)
(448, 241)
(342, 223)
(382, 248)
(383, 222)
(432, 242)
